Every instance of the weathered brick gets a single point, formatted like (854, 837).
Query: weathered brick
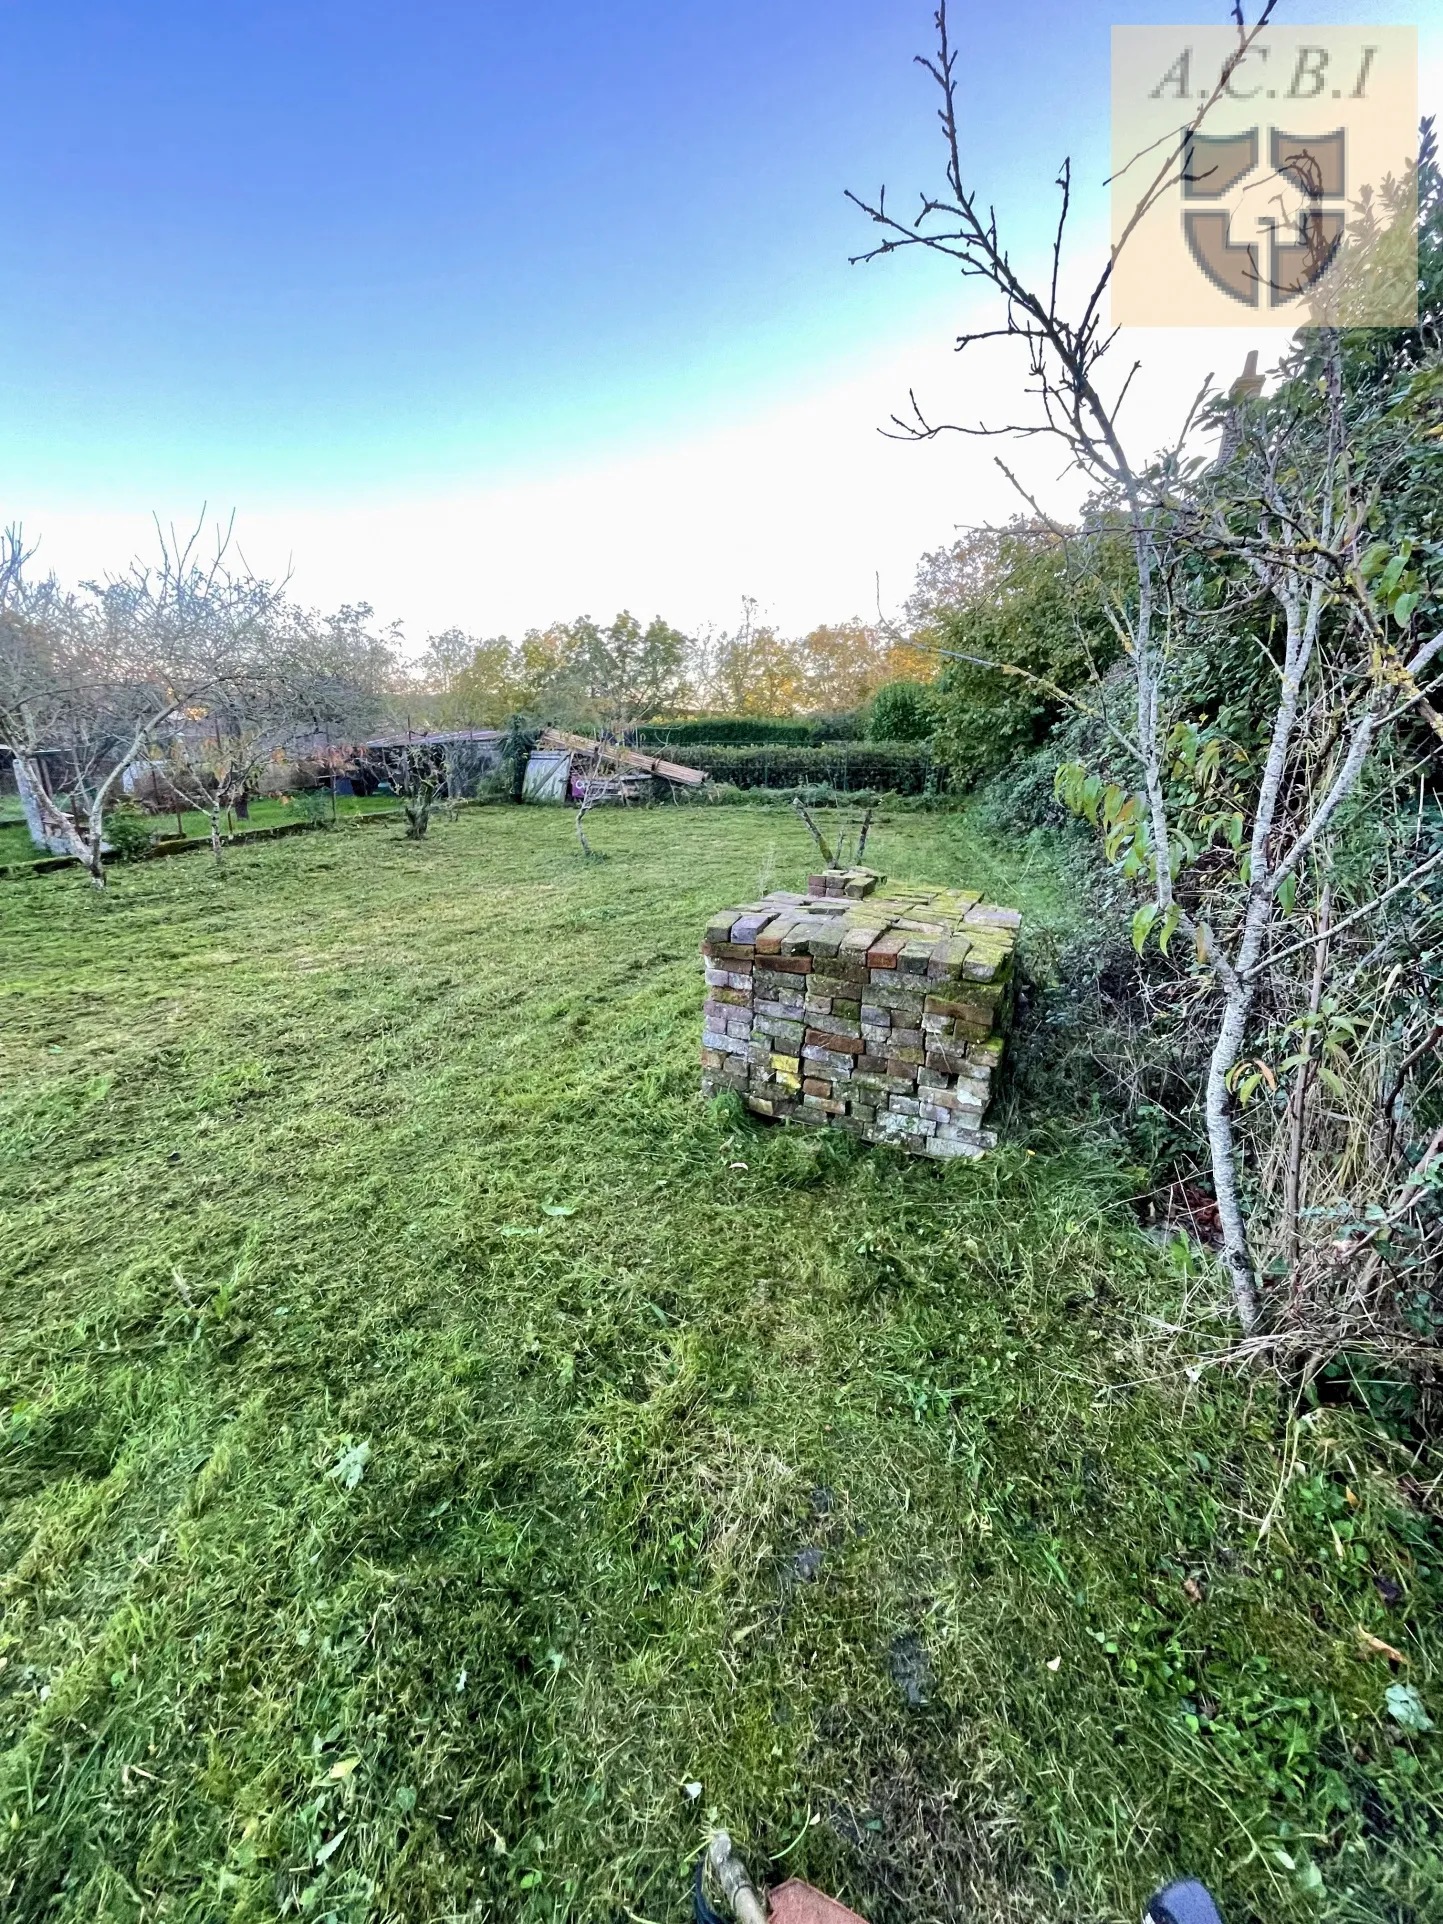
(748, 927)
(725, 1044)
(829, 1058)
(845, 1045)
(857, 941)
(769, 941)
(779, 1028)
(887, 1024)
(883, 954)
(892, 994)
(953, 1146)
(797, 939)
(830, 979)
(827, 940)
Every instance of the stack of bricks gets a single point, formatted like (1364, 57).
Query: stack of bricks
(881, 1014)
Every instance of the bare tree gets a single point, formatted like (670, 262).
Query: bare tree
(1288, 532)
(88, 681)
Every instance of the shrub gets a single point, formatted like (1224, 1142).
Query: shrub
(807, 731)
(901, 711)
(129, 832)
(909, 770)
(314, 806)
(1042, 610)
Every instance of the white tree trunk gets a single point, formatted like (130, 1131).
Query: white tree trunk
(1236, 1254)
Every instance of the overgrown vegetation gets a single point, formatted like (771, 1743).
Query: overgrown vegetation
(907, 768)
(753, 731)
(433, 1440)
(1263, 764)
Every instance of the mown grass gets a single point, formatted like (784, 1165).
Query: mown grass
(419, 1404)
(267, 811)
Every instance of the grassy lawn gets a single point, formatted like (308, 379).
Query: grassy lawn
(266, 812)
(433, 1438)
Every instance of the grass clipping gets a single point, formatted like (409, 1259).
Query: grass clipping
(446, 1463)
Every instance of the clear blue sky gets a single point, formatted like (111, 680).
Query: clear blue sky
(290, 255)
(321, 244)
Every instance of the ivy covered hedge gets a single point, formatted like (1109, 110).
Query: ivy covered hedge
(904, 768)
(809, 731)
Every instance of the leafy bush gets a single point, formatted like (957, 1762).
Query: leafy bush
(906, 769)
(314, 805)
(751, 731)
(1041, 608)
(902, 711)
(129, 832)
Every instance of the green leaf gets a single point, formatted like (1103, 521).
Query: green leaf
(1405, 1707)
(1288, 892)
(1142, 924)
(1403, 608)
(558, 1209)
(1169, 927)
(1235, 830)
(350, 1466)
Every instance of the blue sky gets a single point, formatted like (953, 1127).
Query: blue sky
(308, 257)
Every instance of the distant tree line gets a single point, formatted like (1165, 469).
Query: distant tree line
(580, 673)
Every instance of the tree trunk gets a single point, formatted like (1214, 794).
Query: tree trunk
(1236, 1254)
(91, 847)
(1298, 1106)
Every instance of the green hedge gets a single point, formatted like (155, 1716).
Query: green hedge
(752, 730)
(902, 767)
